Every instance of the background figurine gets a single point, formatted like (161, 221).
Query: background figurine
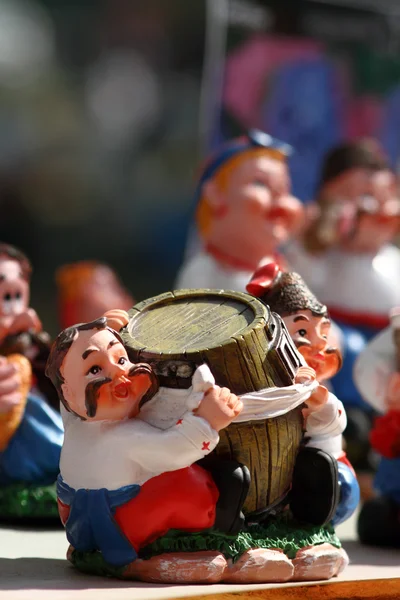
(31, 431)
(245, 213)
(88, 289)
(20, 327)
(308, 323)
(347, 259)
(377, 374)
(160, 392)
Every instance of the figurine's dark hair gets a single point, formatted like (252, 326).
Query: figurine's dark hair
(365, 153)
(60, 348)
(289, 294)
(16, 254)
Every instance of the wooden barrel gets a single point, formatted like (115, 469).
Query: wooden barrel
(247, 348)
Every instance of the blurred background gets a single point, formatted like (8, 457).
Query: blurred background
(107, 108)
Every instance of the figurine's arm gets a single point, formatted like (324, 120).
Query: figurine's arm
(189, 440)
(192, 437)
(329, 420)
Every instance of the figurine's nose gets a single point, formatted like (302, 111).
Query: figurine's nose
(116, 370)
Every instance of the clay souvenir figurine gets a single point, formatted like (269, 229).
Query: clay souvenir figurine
(166, 477)
(245, 213)
(308, 323)
(348, 261)
(377, 375)
(31, 431)
(86, 290)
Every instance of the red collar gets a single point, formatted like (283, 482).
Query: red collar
(235, 263)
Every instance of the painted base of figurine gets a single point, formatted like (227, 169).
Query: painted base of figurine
(272, 554)
(21, 501)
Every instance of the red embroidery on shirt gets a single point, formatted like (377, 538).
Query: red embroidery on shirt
(179, 422)
(206, 446)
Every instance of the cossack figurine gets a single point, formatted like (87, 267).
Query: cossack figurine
(309, 325)
(377, 375)
(347, 258)
(245, 212)
(31, 431)
(87, 289)
(183, 455)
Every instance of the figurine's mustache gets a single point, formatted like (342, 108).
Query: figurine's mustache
(92, 393)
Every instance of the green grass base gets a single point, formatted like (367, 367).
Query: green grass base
(281, 533)
(20, 500)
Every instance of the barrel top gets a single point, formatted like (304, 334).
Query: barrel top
(192, 320)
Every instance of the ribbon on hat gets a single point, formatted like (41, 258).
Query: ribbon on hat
(263, 279)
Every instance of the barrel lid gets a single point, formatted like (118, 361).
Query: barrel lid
(188, 321)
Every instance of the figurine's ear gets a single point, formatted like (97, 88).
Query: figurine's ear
(215, 196)
(66, 392)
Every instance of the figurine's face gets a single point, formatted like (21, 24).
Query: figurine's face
(14, 291)
(98, 374)
(94, 294)
(311, 335)
(373, 205)
(255, 207)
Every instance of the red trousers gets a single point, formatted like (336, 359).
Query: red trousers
(184, 500)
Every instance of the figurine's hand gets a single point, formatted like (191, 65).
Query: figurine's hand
(392, 399)
(116, 319)
(219, 407)
(10, 385)
(316, 401)
(305, 374)
(26, 321)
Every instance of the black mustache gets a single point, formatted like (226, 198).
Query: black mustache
(92, 392)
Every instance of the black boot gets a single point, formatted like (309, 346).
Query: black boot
(379, 523)
(315, 489)
(233, 481)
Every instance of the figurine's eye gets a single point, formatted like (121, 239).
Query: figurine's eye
(259, 183)
(325, 337)
(302, 332)
(18, 296)
(94, 370)
(7, 297)
(122, 360)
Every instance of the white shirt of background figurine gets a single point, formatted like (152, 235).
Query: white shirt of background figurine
(203, 271)
(355, 282)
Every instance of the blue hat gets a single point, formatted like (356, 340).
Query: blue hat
(254, 139)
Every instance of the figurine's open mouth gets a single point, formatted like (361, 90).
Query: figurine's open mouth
(122, 390)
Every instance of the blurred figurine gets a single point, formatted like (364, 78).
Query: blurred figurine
(88, 289)
(347, 259)
(309, 326)
(245, 213)
(377, 375)
(31, 432)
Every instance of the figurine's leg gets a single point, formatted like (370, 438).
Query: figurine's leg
(379, 522)
(315, 489)
(184, 499)
(349, 494)
(233, 482)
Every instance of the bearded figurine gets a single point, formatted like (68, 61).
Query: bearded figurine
(347, 258)
(309, 325)
(31, 431)
(245, 213)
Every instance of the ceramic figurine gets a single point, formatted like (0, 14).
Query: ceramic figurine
(168, 476)
(245, 213)
(307, 321)
(347, 259)
(377, 375)
(86, 290)
(31, 431)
